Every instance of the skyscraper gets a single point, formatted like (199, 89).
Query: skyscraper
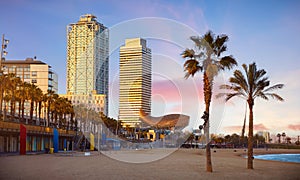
(135, 81)
(87, 57)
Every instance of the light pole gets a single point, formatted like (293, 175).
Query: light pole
(3, 52)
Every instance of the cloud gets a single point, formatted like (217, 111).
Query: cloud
(238, 129)
(260, 127)
(294, 127)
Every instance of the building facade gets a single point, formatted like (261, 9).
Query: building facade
(34, 72)
(92, 101)
(135, 81)
(87, 57)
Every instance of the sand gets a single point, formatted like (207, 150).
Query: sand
(181, 164)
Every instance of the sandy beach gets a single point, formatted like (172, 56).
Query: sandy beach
(181, 164)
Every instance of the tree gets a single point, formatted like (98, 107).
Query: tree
(6, 82)
(210, 62)
(251, 85)
(278, 135)
(50, 95)
(283, 137)
(288, 140)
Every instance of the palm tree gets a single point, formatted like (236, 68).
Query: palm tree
(249, 86)
(20, 98)
(283, 137)
(244, 126)
(5, 84)
(50, 98)
(279, 135)
(39, 99)
(210, 62)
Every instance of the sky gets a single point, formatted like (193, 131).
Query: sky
(265, 32)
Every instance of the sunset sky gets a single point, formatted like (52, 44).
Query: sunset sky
(266, 32)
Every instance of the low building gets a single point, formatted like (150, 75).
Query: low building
(92, 101)
(33, 71)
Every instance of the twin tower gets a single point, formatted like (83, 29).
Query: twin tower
(88, 70)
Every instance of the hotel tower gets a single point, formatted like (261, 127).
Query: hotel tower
(135, 81)
(87, 58)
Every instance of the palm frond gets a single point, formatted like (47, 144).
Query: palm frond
(227, 62)
(262, 95)
(259, 74)
(225, 86)
(221, 95)
(219, 44)
(219, 51)
(277, 86)
(209, 38)
(240, 80)
(191, 67)
(188, 53)
(231, 95)
(275, 96)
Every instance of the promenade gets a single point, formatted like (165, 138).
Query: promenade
(181, 164)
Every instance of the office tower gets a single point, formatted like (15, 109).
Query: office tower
(135, 81)
(33, 71)
(87, 57)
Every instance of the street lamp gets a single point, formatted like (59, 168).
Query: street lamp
(3, 52)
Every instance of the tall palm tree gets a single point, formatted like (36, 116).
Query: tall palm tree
(38, 101)
(32, 88)
(210, 62)
(13, 86)
(244, 126)
(50, 99)
(5, 84)
(249, 86)
(54, 108)
(20, 98)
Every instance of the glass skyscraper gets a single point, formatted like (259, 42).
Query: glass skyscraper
(87, 57)
(135, 81)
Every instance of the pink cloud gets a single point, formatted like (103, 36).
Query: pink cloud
(233, 129)
(295, 127)
(177, 91)
(260, 127)
(238, 129)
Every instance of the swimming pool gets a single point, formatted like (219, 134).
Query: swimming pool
(280, 157)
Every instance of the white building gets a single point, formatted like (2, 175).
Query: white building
(135, 81)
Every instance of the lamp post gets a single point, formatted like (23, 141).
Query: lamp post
(3, 52)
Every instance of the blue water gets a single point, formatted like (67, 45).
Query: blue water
(280, 157)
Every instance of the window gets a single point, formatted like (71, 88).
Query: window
(26, 76)
(33, 81)
(33, 73)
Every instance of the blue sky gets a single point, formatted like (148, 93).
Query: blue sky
(266, 32)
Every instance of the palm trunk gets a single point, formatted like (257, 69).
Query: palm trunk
(22, 104)
(1, 101)
(207, 96)
(250, 138)
(20, 108)
(31, 110)
(48, 113)
(244, 126)
(40, 109)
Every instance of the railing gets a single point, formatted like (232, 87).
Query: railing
(32, 128)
